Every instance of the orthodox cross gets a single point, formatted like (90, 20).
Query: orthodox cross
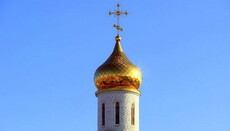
(118, 13)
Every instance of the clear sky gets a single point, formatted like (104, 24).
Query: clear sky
(50, 49)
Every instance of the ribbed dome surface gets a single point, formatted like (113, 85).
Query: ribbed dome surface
(117, 71)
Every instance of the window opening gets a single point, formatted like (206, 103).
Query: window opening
(117, 111)
(103, 114)
(133, 114)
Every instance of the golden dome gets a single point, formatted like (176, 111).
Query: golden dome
(117, 71)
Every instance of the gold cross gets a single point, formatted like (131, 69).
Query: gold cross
(118, 13)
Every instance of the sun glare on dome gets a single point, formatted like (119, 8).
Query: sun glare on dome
(136, 73)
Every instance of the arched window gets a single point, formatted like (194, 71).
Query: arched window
(103, 114)
(133, 114)
(117, 111)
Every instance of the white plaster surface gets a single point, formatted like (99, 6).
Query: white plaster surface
(126, 99)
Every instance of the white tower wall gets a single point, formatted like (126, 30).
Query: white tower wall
(125, 99)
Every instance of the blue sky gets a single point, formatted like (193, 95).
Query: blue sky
(49, 51)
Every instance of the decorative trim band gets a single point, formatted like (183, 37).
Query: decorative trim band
(121, 88)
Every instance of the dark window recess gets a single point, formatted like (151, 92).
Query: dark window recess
(117, 115)
(103, 114)
(133, 114)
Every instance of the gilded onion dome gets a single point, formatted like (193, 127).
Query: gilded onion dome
(118, 72)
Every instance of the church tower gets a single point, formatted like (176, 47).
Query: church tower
(118, 81)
